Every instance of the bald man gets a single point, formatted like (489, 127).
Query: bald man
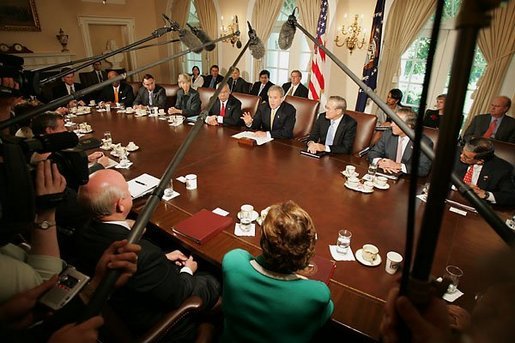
(496, 124)
(163, 280)
(118, 92)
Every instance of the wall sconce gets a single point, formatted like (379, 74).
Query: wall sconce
(231, 29)
(352, 32)
(63, 39)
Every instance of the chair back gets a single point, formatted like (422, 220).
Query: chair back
(307, 111)
(249, 102)
(135, 87)
(505, 150)
(364, 131)
(171, 93)
(432, 134)
(205, 94)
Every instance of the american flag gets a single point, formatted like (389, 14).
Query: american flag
(317, 81)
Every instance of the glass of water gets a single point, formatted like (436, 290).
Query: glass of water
(453, 273)
(169, 190)
(372, 169)
(343, 242)
(107, 138)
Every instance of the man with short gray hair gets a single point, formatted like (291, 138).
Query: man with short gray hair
(496, 124)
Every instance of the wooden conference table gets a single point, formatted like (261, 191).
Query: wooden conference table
(230, 175)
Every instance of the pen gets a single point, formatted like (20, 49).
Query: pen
(141, 183)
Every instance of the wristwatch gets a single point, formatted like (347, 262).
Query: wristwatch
(44, 225)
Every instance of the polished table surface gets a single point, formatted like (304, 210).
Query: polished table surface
(230, 174)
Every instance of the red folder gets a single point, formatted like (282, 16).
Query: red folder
(201, 226)
(320, 268)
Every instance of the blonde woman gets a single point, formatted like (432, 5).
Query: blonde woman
(188, 100)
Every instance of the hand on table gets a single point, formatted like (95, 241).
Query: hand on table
(173, 110)
(315, 147)
(260, 134)
(211, 120)
(389, 166)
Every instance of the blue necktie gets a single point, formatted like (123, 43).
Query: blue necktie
(212, 83)
(330, 133)
(150, 100)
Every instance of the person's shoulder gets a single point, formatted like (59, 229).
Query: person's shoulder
(317, 289)
(234, 100)
(500, 163)
(287, 85)
(236, 256)
(347, 118)
(288, 106)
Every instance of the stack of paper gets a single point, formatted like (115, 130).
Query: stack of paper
(142, 185)
(252, 135)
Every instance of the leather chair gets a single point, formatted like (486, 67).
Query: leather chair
(307, 111)
(135, 87)
(432, 134)
(249, 102)
(115, 329)
(171, 93)
(505, 150)
(364, 131)
(205, 94)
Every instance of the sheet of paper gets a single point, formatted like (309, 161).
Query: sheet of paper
(349, 256)
(239, 232)
(252, 135)
(458, 211)
(142, 185)
(220, 211)
(181, 179)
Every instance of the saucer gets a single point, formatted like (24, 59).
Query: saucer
(347, 175)
(136, 147)
(254, 216)
(363, 190)
(359, 257)
(85, 131)
(351, 187)
(381, 187)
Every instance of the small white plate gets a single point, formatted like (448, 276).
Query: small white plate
(351, 187)
(382, 187)
(85, 131)
(359, 257)
(347, 175)
(132, 149)
(254, 216)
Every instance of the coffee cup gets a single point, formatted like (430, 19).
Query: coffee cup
(246, 211)
(108, 107)
(191, 181)
(131, 145)
(162, 111)
(380, 181)
(129, 110)
(350, 170)
(368, 186)
(393, 262)
(353, 181)
(92, 102)
(369, 252)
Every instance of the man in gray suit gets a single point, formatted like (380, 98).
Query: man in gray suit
(150, 94)
(393, 151)
(496, 124)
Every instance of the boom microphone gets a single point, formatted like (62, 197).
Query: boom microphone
(204, 38)
(256, 46)
(190, 40)
(287, 32)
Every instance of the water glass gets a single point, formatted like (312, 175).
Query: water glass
(169, 190)
(107, 138)
(343, 242)
(372, 169)
(453, 273)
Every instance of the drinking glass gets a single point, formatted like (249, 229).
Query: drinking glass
(343, 242)
(372, 169)
(453, 273)
(107, 138)
(169, 190)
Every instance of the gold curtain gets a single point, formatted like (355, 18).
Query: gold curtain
(497, 45)
(309, 12)
(207, 16)
(179, 14)
(264, 17)
(405, 20)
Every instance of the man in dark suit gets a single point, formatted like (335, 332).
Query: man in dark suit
(489, 176)
(497, 124)
(334, 131)
(163, 280)
(118, 92)
(393, 151)
(97, 75)
(226, 111)
(67, 87)
(294, 87)
(150, 94)
(236, 83)
(275, 119)
(210, 81)
(260, 88)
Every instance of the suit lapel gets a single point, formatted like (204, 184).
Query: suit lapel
(407, 152)
(339, 130)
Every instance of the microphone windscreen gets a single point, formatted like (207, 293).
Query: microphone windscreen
(257, 49)
(204, 38)
(190, 40)
(286, 36)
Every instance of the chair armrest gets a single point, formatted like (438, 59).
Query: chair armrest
(190, 305)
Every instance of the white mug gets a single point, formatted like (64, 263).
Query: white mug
(369, 252)
(380, 181)
(353, 181)
(191, 181)
(393, 262)
(350, 170)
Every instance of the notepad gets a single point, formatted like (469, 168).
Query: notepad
(142, 185)
(252, 135)
(202, 226)
(314, 155)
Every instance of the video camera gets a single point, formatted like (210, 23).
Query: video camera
(25, 82)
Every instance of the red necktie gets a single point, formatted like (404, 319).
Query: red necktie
(222, 111)
(491, 129)
(468, 175)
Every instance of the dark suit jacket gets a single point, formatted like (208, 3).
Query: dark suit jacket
(232, 111)
(189, 104)
(496, 176)
(158, 97)
(284, 120)
(301, 90)
(60, 90)
(208, 78)
(343, 138)
(386, 147)
(432, 118)
(93, 78)
(241, 85)
(264, 93)
(480, 123)
(156, 287)
(125, 94)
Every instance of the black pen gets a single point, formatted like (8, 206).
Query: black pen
(141, 183)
